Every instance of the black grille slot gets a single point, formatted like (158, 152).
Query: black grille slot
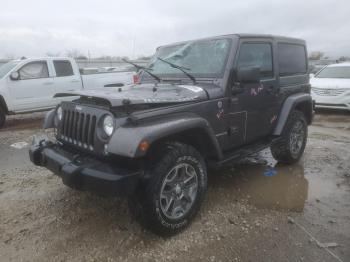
(91, 132)
(78, 128)
(86, 129)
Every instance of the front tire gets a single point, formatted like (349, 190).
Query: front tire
(290, 147)
(172, 196)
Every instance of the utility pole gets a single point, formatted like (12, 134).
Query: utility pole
(133, 47)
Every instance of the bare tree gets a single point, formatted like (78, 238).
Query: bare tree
(53, 54)
(109, 57)
(75, 53)
(316, 55)
(81, 57)
(344, 58)
(143, 57)
(9, 56)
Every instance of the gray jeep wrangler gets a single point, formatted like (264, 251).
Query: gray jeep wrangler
(199, 104)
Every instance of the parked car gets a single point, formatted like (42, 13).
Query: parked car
(317, 65)
(29, 85)
(200, 104)
(330, 87)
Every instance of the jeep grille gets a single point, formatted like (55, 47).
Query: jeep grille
(78, 128)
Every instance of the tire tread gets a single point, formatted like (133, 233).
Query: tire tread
(280, 149)
(142, 203)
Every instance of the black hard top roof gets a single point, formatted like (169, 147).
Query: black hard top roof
(275, 37)
(244, 35)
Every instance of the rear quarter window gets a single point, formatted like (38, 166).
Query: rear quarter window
(63, 68)
(291, 59)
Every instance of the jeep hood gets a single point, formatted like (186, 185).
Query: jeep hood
(143, 94)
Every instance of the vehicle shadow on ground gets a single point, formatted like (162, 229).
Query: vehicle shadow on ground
(332, 112)
(17, 123)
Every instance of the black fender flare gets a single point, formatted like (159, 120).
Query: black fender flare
(49, 120)
(126, 139)
(289, 105)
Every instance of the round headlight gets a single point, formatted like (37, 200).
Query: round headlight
(108, 125)
(59, 113)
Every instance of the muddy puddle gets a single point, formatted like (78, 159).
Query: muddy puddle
(332, 119)
(266, 184)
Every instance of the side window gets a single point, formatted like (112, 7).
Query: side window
(34, 70)
(63, 68)
(257, 55)
(291, 59)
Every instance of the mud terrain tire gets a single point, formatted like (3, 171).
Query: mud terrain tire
(157, 203)
(290, 147)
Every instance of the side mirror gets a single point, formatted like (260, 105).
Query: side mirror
(248, 75)
(312, 75)
(14, 76)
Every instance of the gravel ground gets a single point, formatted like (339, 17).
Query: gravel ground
(247, 216)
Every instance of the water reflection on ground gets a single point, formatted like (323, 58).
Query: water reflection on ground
(265, 184)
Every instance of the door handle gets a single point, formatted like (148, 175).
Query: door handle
(234, 101)
(48, 83)
(75, 81)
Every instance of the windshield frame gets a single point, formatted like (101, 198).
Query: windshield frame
(336, 77)
(181, 75)
(9, 68)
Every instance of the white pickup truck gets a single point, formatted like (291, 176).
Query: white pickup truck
(29, 85)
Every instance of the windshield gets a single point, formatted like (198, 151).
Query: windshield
(335, 72)
(205, 58)
(4, 69)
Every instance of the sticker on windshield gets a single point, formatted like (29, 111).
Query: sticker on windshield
(193, 88)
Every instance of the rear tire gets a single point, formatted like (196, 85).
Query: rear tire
(290, 147)
(2, 117)
(173, 194)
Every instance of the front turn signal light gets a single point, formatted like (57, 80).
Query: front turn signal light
(144, 145)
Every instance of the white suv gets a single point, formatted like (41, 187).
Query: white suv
(330, 87)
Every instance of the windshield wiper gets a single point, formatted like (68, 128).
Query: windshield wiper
(145, 69)
(181, 68)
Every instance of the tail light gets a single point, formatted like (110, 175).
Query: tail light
(136, 78)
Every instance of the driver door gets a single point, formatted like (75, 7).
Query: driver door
(34, 89)
(257, 101)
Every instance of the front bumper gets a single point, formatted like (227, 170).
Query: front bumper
(84, 173)
(333, 106)
(335, 102)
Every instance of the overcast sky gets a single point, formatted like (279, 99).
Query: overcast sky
(110, 27)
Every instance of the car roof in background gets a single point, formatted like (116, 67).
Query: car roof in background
(347, 64)
(42, 58)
